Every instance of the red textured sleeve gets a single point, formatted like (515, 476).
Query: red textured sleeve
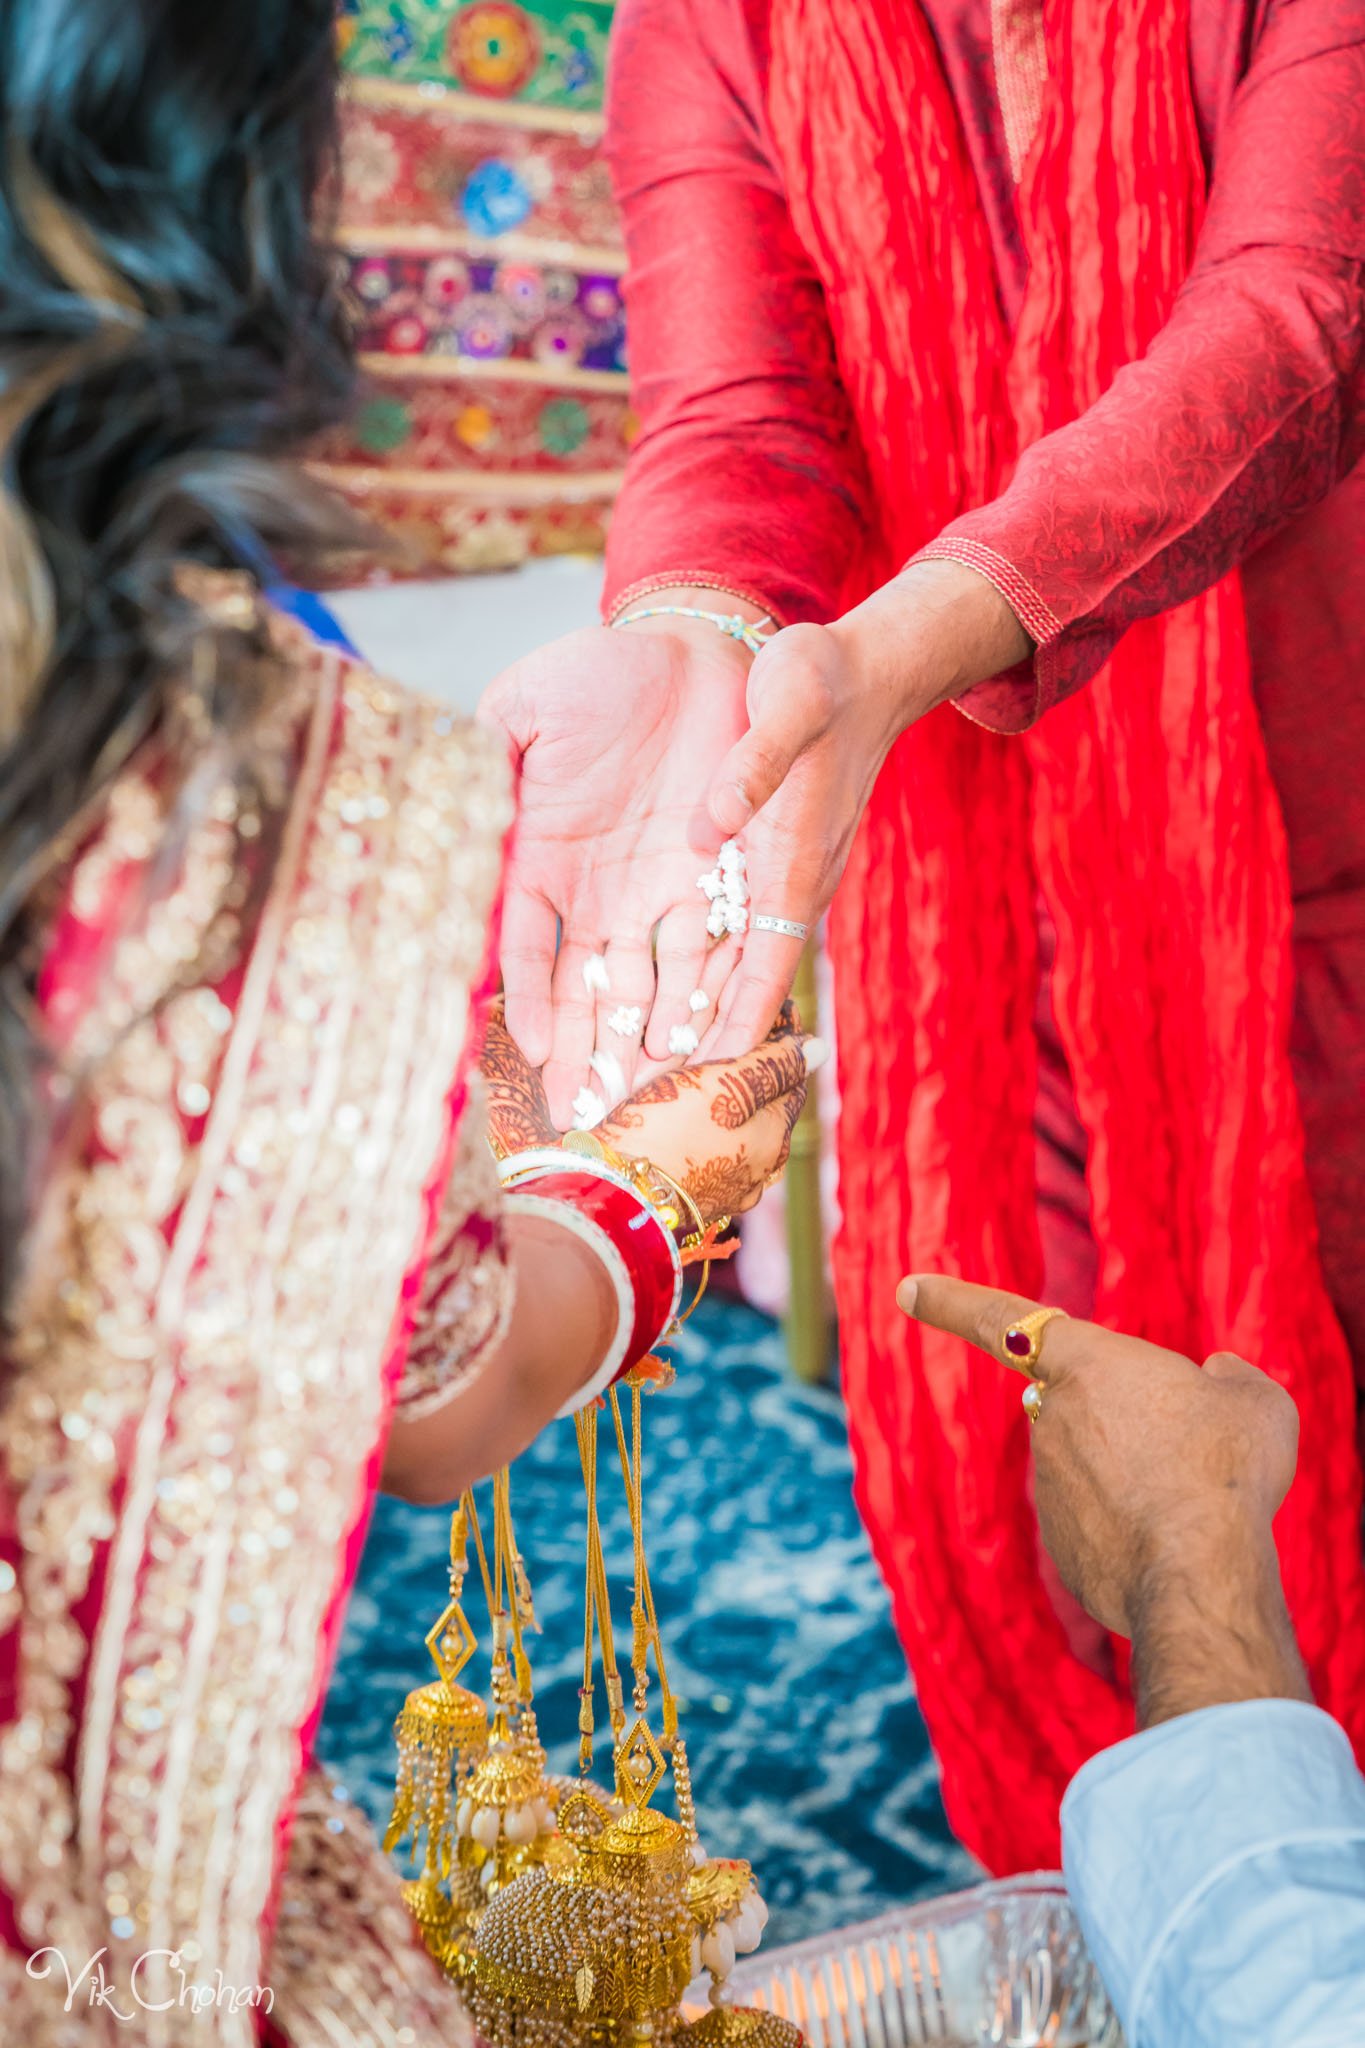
(747, 472)
(1247, 409)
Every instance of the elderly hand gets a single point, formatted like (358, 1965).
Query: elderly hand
(1157, 1483)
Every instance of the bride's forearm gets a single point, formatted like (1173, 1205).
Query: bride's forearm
(564, 1317)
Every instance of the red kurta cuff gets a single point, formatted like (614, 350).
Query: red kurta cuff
(1016, 699)
(616, 605)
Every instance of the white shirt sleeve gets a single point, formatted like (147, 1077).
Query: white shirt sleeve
(1217, 1864)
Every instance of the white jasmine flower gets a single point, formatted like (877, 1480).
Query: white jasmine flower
(588, 1109)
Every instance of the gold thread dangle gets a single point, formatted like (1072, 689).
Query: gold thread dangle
(476, 1794)
(585, 1422)
(599, 1597)
(505, 1819)
(644, 1618)
(598, 1948)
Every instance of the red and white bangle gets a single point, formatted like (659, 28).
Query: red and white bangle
(605, 1211)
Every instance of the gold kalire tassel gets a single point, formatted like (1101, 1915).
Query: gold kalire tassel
(442, 1728)
(573, 1918)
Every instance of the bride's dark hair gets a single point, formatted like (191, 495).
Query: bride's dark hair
(170, 334)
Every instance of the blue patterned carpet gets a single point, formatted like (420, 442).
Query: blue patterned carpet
(808, 1752)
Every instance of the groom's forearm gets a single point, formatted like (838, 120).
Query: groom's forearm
(930, 634)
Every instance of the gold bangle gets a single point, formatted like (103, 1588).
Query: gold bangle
(589, 1146)
(696, 1239)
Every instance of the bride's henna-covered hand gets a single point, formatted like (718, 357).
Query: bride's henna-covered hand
(518, 1110)
(721, 1130)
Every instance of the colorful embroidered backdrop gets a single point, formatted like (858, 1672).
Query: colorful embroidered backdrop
(485, 263)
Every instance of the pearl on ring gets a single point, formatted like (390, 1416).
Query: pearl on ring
(682, 1039)
(626, 1020)
(1033, 1400)
(698, 1001)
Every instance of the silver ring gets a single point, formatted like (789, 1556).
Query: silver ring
(785, 927)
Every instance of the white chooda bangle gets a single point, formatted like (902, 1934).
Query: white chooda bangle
(607, 1212)
(564, 1216)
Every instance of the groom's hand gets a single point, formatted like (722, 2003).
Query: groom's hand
(826, 704)
(618, 734)
(642, 748)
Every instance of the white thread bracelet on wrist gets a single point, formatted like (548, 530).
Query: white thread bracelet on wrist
(748, 632)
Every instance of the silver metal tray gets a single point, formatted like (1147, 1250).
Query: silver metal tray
(999, 1966)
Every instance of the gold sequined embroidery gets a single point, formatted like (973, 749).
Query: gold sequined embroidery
(347, 1958)
(247, 1358)
(81, 1369)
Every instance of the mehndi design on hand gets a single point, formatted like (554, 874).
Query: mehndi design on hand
(518, 1109)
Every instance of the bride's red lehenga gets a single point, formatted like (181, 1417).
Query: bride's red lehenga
(272, 1217)
(944, 276)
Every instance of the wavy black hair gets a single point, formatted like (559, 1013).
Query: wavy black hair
(171, 333)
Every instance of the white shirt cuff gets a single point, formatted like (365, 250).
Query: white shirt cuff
(1153, 1824)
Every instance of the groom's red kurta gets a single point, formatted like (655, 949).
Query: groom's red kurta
(1233, 443)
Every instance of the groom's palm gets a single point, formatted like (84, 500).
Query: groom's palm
(619, 736)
